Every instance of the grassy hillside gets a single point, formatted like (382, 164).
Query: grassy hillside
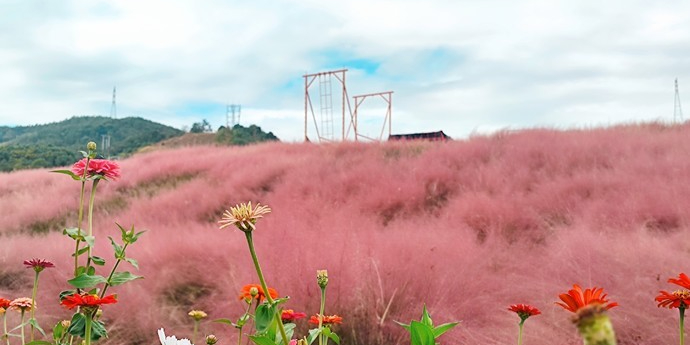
(467, 227)
(57, 143)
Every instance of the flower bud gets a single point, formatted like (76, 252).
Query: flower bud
(302, 341)
(594, 325)
(91, 146)
(211, 339)
(99, 313)
(322, 278)
(65, 323)
(254, 291)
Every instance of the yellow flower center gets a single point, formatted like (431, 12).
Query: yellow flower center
(683, 294)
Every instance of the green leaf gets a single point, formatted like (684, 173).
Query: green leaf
(82, 251)
(90, 240)
(119, 253)
(69, 173)
(313, 334)
(132, 262)
(421, 334)
(120, 278)
(66, 293)
(136, 236)
(261, 340)
(263, 316)
(91, 271)
(58, 331)
(98, 330)
(77, 325)
(84, 281)
(225, 321)
(289, 330)
(438, 331)
(334, 337)
(404, 325)
(97, 260)
(34, 323)
(426, 318)
(74, 233)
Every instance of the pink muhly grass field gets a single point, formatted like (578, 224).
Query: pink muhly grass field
(465, 227)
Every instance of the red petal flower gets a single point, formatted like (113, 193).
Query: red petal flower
(682, 281)
(4, 303)
(524, 311)
(289, 315)
(674, 299)
(246, 292)
(576, 298)
(332, 319)
(79, 300)
(38, 264)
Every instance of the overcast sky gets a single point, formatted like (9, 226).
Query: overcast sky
(458, 66)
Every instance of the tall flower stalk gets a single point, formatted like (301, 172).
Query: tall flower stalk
(197, 316)
(38, 266)
(244, 217)
(4, 305)
(677, 299)
(524, 311)
(322, 281)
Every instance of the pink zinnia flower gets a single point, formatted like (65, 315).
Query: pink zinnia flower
(103, 167)
(22, 304)
(38, 264)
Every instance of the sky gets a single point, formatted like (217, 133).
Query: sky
(464, 67)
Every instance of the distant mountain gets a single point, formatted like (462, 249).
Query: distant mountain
(58, 144)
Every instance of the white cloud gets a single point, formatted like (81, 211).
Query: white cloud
(460, 66)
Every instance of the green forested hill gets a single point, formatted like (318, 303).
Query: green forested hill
(57, 144)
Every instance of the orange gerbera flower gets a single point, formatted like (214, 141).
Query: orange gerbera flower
(524, 311)
(575, 299)
(86, 300)
(327, 320)
(246, 293)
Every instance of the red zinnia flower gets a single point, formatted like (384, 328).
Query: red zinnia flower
(85, 300)
(38, 264)
(576, 298)
(4, 304)
(260, 295)
(674, 299)
(103, 167)
(289, 315)
(332, 319)
(682, 281)
(524, 311)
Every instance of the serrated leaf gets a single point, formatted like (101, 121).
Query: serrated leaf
(69, 173)
(261, 340)
(133, 262)
(421, 334)
(84, 281)
(438, 331)
(263, 316)
(120, 278)
(97, 260)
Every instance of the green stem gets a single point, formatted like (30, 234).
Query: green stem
(91, 202)
(33, 303)
(79, 220)
(196, 329)
(4, 327)
(321, 314)
(281, 328)
(246, 312)
(682, 320)
(112, 272)
(87, 333)
(22, 324)
(520, 332)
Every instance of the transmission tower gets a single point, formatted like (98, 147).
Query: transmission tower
(105, 145)
(113, 107)
(232, 115)
(677, 109)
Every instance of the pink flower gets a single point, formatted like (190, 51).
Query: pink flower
(22, 304)
(103, 167)
(38, 264)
